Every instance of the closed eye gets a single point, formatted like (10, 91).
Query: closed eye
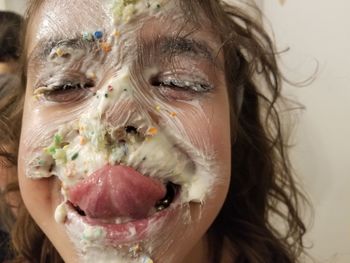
(180, 88)
(66, 91)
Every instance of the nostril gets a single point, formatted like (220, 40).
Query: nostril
(130, 129)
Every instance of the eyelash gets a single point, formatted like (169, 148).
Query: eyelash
(184, 84)
(68, 91)
(169, 86)
(176, 88)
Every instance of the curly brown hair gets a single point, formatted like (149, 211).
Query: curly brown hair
(10, 122)
(10, 36)
(263, 184)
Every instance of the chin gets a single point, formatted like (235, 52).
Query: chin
(166, 236)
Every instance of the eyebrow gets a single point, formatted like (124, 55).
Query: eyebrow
(45, 46)
(168, 47)
(181, 45)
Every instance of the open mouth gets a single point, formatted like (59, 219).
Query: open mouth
(172, 194)
(117, 205)
(119, 194)
(137, 191)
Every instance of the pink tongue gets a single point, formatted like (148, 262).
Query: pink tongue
(116, 191)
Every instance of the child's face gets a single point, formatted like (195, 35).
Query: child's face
(125, 147)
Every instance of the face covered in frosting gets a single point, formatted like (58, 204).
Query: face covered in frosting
(125, 146)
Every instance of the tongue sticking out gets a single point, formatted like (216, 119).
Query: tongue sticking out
(117, 191)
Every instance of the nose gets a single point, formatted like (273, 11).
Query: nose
(125, 107)
(122, 133)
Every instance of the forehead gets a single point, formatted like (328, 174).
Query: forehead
(65, 18)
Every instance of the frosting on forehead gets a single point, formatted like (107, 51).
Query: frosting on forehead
(124, 10)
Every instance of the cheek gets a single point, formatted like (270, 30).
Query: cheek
(208, 129)
(40, 196)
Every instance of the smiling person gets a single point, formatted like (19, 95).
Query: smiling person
(150, 133)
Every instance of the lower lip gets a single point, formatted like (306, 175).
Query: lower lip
(133, 231)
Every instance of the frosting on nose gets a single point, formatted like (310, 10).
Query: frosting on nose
(117, 191)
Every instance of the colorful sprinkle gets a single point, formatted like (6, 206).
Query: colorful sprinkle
(87, 36)
(59, 52)
(106, 47)
(110, 88)
(66, 147)
(173, 114)
(152, 131)
(75, 156)
(117, 34)
(50, 150)
(106, 95)
(57, 139)
(82, 140)
(158, 108)
(98, 34)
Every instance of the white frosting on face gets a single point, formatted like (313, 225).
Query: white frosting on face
(124, 10)
(81, 147)
(160, 149)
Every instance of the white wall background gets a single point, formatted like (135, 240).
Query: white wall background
(315, 30)
(17, 6)
(319, 30)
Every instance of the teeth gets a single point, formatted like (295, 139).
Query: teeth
(168, 199)
(160, 208)
(122, 220)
